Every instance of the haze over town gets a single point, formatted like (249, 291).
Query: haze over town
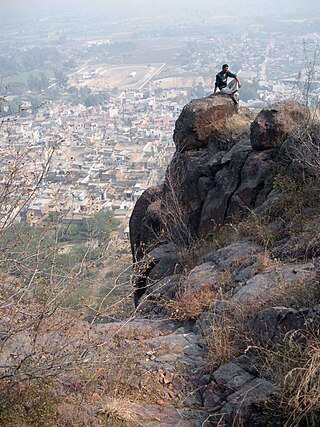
(104, 81)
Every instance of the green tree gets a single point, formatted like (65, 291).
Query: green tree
(102, 224)
(61, 77)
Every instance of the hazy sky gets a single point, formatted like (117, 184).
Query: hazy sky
(129, 8)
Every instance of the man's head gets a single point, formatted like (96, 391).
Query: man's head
(225, 67)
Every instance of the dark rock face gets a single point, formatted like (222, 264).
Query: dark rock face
(143, 222)
(272, 324)
(199, 120)
(234, 394)
(226, 181)
(219, 170)
(274, 123)
(161, 262)
(255, 182)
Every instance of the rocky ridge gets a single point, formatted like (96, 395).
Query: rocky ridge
(224, 169)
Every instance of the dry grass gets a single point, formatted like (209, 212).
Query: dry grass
(224, 235)
(229, 332)
(255, 226)
(193, 255)
(263, 262)
(295, 196)
(238, 121)
(296, 206)
(119, 413)
(30, 405)
(295, 366)
(189, 303)
(115, 374)
(224, 340)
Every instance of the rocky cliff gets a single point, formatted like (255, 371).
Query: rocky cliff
(238, 193)
(224, 167)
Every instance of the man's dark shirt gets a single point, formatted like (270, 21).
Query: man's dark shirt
(221, 78)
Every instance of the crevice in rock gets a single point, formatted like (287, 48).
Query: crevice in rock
(237, 187)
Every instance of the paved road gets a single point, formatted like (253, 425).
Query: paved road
(152, 76)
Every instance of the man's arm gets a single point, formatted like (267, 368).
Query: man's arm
(215, 88)
(216, 85)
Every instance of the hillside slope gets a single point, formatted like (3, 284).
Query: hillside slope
(229, 245)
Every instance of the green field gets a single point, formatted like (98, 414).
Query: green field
(23, 77)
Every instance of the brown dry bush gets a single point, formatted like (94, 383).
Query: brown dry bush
(189, 303)
(119, 413)
(224, 339)
(31, 405)
(294, 196)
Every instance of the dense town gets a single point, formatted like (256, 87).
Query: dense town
(105, 156)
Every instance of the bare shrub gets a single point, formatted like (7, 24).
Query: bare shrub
(306, 78)
(305, 146)
(45, 290)
(174, 211)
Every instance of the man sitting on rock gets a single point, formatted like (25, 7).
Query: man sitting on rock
(230, 88)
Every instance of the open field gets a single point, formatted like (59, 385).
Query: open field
(133, 77)
(121, 76)
(180, 81)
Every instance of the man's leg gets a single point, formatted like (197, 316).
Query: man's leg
(233, 87)
(226, 90)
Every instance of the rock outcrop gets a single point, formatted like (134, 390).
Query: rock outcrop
(274, 124)
(200, 122)
(224, 166)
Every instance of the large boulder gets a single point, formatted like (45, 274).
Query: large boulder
(234, 394)
(233, 255)
(199, 119)
(274, 123)
(272, 283)
(202, 276)
(219, 171)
